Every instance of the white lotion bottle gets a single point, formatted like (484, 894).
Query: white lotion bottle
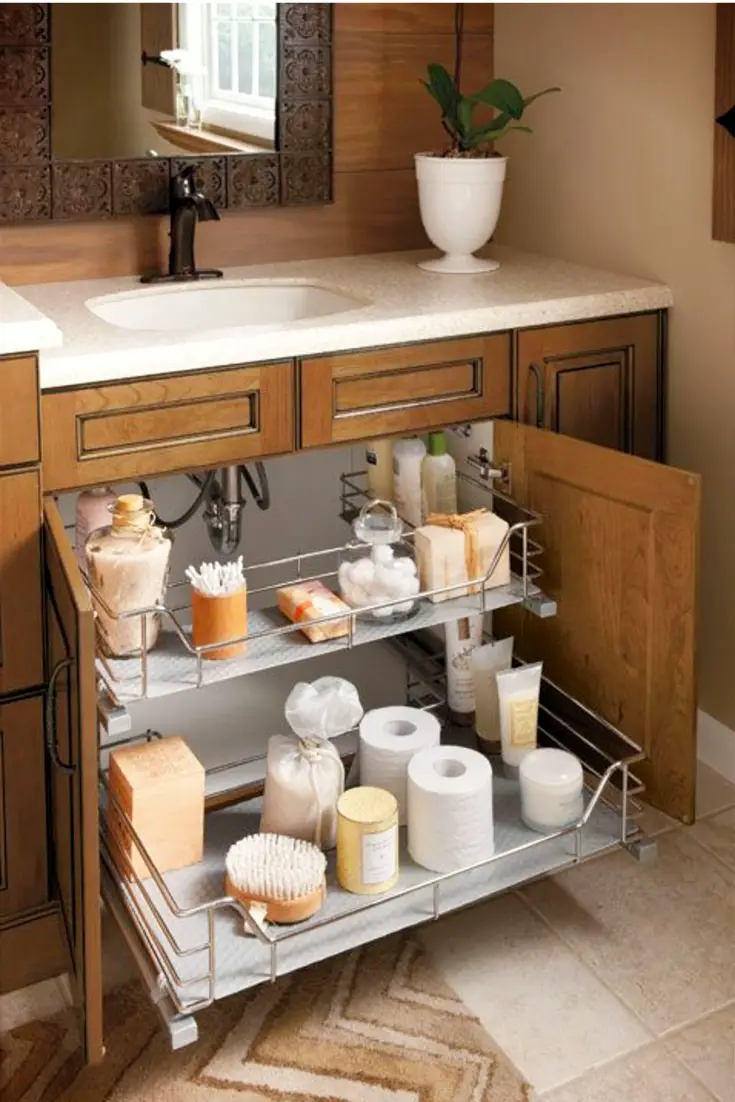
(92, 511)
(408, 456)
(379, 459)
(438, 478)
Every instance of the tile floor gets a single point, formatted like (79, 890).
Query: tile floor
(612, 981)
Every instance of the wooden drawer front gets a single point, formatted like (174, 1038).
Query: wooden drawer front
(23, 858)
(21, 628)
(19, 436)
(412, 388)
(172, 423)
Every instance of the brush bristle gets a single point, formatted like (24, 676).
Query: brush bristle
(273, 866)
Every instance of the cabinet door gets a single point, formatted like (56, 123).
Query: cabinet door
(402, 389)
(202, 419)
(21, 624)
(621, 556)
(23, 868)
(74, 798)
(598, 381)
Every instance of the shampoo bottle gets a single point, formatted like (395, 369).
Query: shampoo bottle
(462, 637)
(379, 459)
(438, 478)
(408, 456)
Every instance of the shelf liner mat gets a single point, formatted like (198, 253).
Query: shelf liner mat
(243, 962)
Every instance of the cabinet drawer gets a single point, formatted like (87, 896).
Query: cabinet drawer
(23, 858)
(19, 436)
(168, 423)
(21, 630)
(360, 395)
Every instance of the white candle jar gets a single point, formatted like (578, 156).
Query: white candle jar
(551, 790)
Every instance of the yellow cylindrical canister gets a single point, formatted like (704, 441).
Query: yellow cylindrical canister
(367, 840)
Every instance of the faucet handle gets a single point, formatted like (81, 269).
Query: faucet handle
(183, 184)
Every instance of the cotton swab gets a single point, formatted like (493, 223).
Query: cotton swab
(216, 579)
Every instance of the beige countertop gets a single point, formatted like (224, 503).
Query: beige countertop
(24, 328)
(402, 304)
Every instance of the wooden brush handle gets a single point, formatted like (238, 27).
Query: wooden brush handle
(282, 911)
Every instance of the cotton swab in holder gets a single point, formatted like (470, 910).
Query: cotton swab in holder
(287, 875)
(219, 606)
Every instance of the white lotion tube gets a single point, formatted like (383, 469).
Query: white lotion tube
(461, 639)
(487, 662)
(408, 455)
(518, 693)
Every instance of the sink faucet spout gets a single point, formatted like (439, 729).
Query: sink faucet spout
(188, 205)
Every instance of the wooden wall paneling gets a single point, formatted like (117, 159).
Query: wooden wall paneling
(375, 208)
(158, 31)
(723, 200)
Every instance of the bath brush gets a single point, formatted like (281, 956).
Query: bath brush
(286, 875)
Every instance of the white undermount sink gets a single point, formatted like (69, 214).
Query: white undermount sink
(224, 304)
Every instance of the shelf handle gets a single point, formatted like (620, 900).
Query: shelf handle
(539, 376)
(50, 718)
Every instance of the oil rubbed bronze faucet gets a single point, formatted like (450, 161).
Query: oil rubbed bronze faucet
(188, 205)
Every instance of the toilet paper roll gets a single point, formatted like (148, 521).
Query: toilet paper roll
(450, 808)
(389, 738)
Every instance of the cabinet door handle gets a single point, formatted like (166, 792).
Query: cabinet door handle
(539, 376)
(50, 718)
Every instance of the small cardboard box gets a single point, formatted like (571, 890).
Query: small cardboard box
(160, 787)
(455, 549)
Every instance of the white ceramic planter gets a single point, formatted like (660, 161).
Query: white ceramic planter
(459, 198)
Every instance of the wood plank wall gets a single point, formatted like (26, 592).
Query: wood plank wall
(723, 200)
(382, 116)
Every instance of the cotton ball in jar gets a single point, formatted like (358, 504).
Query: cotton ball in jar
(362, 573)
(382, 553)
(405, 565)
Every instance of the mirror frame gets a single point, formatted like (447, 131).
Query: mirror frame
(35, 186)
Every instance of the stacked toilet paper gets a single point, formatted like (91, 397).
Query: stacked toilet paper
(450, 808)
(389, 740)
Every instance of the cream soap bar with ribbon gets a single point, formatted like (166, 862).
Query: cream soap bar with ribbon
(452, 549)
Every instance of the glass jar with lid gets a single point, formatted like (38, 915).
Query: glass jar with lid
(127, 566)
(380, 569)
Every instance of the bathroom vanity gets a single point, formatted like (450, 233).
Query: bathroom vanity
(569, 365)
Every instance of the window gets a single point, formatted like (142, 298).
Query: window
(234, 48)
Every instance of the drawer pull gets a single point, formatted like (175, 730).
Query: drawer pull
(539, 376)
(50, 717)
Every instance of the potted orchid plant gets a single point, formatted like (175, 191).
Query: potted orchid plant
(461, 186)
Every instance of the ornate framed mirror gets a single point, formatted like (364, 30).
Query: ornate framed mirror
(94, 118)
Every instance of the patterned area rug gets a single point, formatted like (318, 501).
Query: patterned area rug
(375, 1025)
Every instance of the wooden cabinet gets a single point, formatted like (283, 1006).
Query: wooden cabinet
(21, 624)
(599, 381)
(23, 857)
(120, 431)
(404, 389)
(19, 430)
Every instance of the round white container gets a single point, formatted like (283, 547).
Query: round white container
(459, 200)
(551, 790)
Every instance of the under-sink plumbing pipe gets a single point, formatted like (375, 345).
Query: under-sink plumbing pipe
(224, 503)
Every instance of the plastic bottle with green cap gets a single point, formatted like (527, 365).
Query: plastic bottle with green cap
(438, 477)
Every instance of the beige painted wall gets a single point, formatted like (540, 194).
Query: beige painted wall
(619, 174)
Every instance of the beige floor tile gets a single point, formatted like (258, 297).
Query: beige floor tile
(714, 793)
(540, 1004)
(717, 834)
(650, 1075)
(707, 1048)
(40, 1000)
(653, 822)
(660, 935)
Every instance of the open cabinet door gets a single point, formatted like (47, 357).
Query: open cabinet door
(72, 745)
(621, 559)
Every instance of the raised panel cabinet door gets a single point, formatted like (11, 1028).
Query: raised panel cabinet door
(21, 620)
(621, 558)
(23, 856)
(19, 430)
(403, 389)
(599, 381)
(71, 734)
(167, 423)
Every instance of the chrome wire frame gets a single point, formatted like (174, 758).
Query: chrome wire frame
(525, 573)
(424, 677)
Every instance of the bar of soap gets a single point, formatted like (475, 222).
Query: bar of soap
(305, 601)
(160, 787)
(456, 549)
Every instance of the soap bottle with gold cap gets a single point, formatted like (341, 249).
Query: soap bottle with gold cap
(127, 565)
